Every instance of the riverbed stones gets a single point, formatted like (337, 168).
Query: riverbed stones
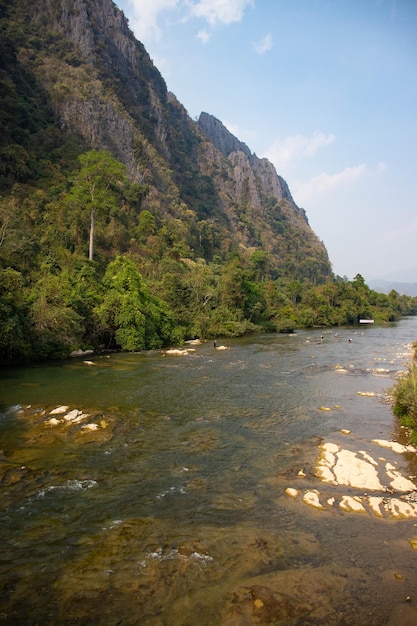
(53, 421)
(352, 504)
(394, 445)
(344, 467)
(365, 471)
(46, 426)
(179, 351)
(59, 410)
(312, 498)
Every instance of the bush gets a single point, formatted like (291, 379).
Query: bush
(405, 398)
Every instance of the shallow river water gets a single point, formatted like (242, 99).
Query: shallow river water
(150, 488)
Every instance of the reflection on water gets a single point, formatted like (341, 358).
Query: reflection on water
(150, 488)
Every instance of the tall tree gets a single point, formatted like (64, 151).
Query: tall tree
(97, 185)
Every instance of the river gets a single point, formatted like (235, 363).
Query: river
(152, 488)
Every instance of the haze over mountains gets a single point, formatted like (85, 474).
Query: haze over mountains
(404, 282)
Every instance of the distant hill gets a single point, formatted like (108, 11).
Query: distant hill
(385, 286)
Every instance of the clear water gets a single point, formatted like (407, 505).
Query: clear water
(172, 512)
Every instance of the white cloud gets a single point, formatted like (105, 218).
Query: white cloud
(326, 183)
(203, 36)
(146, 14)
(220, 11)
(145, 21)
(284, 151)
(264, 45)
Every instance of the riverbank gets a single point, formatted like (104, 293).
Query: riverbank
(405, 398)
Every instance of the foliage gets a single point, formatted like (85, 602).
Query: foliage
(15, 323)
(128, 314)
(96, 186)
(405, 398)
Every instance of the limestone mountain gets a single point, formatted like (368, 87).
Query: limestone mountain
(72, 71)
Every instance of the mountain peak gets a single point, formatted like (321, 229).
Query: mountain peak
(269, 183)
(220, 136)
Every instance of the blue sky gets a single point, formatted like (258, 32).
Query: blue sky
(326, 90)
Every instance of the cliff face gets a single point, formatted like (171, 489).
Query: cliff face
(220, 136)
(255, 187)
(102, 82)
(268, 181)
(101, 85)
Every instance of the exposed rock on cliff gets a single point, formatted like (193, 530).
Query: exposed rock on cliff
(267, 178)
(102, 86)
(220, 136)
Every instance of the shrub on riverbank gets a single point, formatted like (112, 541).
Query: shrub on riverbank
(405, 398)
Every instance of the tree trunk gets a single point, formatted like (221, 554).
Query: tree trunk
(90, 253)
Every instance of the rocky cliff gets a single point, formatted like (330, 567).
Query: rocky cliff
(100, 85)
(269, 183)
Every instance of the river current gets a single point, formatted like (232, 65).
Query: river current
(150, 488)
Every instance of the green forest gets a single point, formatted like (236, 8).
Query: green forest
(83, 267)
(92, 257)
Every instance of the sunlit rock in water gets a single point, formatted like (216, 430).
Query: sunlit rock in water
(344, 467)
(341, 468)
(54, 421)
(393, 445)
(400, 509)
(352, 503)
(59, 410)
(375, 503)
(74, 416)
(313, 499)
(398, 482)
(179, 352)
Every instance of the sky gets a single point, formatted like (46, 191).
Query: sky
(326, 90)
